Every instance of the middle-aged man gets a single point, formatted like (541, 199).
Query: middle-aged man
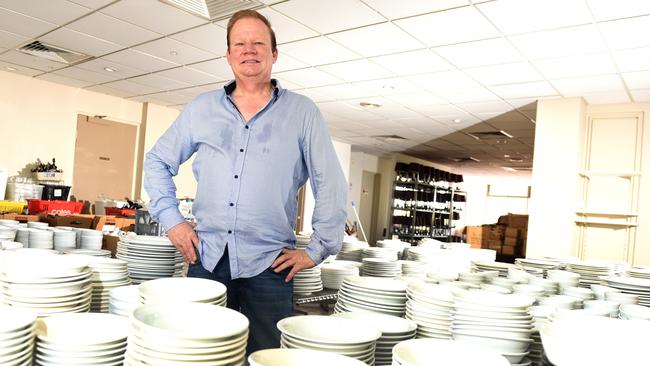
(255, 144)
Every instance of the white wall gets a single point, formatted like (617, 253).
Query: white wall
(359, 162)
(481, 209)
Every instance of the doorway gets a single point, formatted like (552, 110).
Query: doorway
(369, 205)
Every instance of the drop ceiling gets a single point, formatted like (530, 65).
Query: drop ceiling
(429, 72)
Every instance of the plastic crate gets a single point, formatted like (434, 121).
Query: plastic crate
(116, 211)
(10, 206)
(54, 207)
(54, 192)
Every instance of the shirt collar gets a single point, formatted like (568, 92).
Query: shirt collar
(277, 88)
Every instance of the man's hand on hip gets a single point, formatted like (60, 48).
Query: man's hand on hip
(185, 240)
(297, 259)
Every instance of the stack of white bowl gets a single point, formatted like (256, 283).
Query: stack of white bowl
(46, 283)
(308, 281)
(91, 239)
(41, 239)
(602, 307)
(332, 274)
(384, 253)
(537, 267)
(431, 307)
(91, 252)
(639, 272)
(590, 271)
(504, 282)
(632, 312)
(477, 278)
(529, 290)
(397, 245)
(108, 273)
(600, 291)
(8, 233)
(622, 298)
(149, 257)
(413, 269)
(10, 245)
(502, 268)
(38, 225)
(380, 267)
(81, 339)
(16, 336)
(372, 294)
(64, 239)
(186, 334)
(393, 331)
(351, 250)
(7, 222)
(347, 337)
(563, 278)
(426, 352)
(542, 315)
(299, 357)
(561, 301)
(550, 286)
(632, 286)
(502, 322)
(580, 293)
(123, 300)
(22, 236)
(183, 289)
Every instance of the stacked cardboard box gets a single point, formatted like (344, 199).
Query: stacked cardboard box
(507, 236)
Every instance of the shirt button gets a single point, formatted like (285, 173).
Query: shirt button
(231, 204)
(246, 127)
(236, 176)
(241, 150)
(229, 231)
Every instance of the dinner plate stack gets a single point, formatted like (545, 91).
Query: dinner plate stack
(632, 312)
(332, 274)
(383, 253)
(426, 352)
(397, 245)
(16, 336)
(502, 268)
(64, 239)
(168, 334)
(81, 339)
(352, 250)
(123, 300)
(393, 331)
(633, 286)
(46, 283)
(431, 307)
(182, 289)
(639, 272)
(551, 287)
(413, 269)
(38, 225)
(535, 266)
(41, 239)
(108, 273)
(563, 278)
(380, 267)
(590, 271)
(22, 236)
(347, 337)
(308, 281)
(302, 241)
(299, 357)
(91, 239)
(91, 252)
(8, 232)
(541, 317)
(149, 257)
(372, 294)
(502, 322)
(10, 245)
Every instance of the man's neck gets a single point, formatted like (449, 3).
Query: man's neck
(252, 89)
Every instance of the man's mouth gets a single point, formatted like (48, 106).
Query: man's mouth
(250, 62)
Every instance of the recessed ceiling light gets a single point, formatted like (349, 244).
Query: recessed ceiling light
(506, 155)
(369, 105)
(173, 53)
(110, 69)
(505, 133)
(11, 68)
(458, 120)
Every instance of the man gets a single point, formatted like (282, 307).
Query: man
(255, 144)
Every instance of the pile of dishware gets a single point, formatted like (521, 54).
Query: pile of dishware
(590, 271)
(299, 357)
(564, 278)
(425, 352)
(16, 336)
(107, 273)
(308, 281)
(347, 337)
(123, 300)
(372, 294)
(81, 339)
(431, 307)
(186, 333)
(535, 266)
(501, 268)
(639, 287)
(64, 239)
(384, 253)
(89, 239)
(182, 289)
(332, 274)
(8, 233)
(10, 245)
(550, 286)
(397, 245)
(149, 257)
(41, 239)
(634, 312)
(22, 236)
(91, 252)
(351, 250)
(413, 269)
(380, 267)
(393, 331)
(639, 272)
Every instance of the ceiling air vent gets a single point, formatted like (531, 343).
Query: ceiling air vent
(52, 53)
(213, 9)
(522, 168)
(389, 137)
(464, 159)
(490, 135)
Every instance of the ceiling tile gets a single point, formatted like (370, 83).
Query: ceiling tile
(30, 61)
(11, 40)
(342, 92)
(193, 92)
(440, 110)
(575, 66)
(449, 27)
(120, 71)
(330, 16)
(641, 95)
(131, 88)
(478, 94)
(139, 60)
(308, 78)
(521, 103)
(560, 42)
(514, 128)
(608, 10)
(285, 28)
(85, 75)
(112, 30)
(18, 69)
(153, 15)
(314, 95)
(356, 70)
(496, 106)
(165, 98)
(286, 63)
(174, 51)
(108, 90)
(22, 24)
(345, 110)
(65, 80)
(637, 80)
(535, 15)
(414, 62)
(375, 40)
(626, 33)
(80, 42)
(637, 59)
(607, 97)
(188, 75)
(392, 9)
(92, 4)
(388, 108)
(390, 86)
(286, 84)
(160, 83)
(57, 12)
(441, 81)
(318, 51)
(588, 84)
(209, 37)
(480, 53)
(417, 100)
(218, 67)
(524, 90)
(519, 72)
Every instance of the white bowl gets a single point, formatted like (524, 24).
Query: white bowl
(298, 357)
(622, 298)
(181, 289)
(493, 340)
(635, 311)
(82, 329)
(328, 330)
(426, 352)
(387, 324)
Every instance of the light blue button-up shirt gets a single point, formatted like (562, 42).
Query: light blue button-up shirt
(248, 175)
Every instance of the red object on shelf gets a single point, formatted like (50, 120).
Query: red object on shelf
(54, 207)
(115, 211)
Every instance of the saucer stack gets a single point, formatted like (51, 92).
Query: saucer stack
(149, 257)
(308, 281)
(181, 290)
(372, 294)
(332, 274)
(16, 336)
(108, 273)
(123, 300)
(431, 307)
(380, 267)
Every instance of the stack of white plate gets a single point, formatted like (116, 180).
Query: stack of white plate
(123, 300)
(10, 245)
(64, 239)
(81, 339)
(431, 307)
(16, 336)
(41, 239)
(169, 334)
(578, 292)
(22, 236)
(380, 267)
(477, 278)
(393, 331)
(502, 322)
(332, 274)
(299, 357)
(372, 294)
(330, 334)
(590, 271)
(302, 241)
(561, 301)
(91, 239)
(639, 272)
(633, 286)
(413, 269)
(182, 289)
(308, 281)
(149, 257)
(502, 268)
(622, 298)
(541, 315)
(384, 253)
(396, 245)
(38, 225)
(550, 286)
(91, 252)
(563, 278)
(8, 232)
(352, 250)
(529, 290)
(536, 266)
(600, 291)
(46, 284)
(426, 352)
(108, 273)
(7, 222)
(632, 311)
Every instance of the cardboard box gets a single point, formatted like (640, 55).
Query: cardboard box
(19, 217)
(511, 242)
(509, 250)
(475, 235)
(512, 232)
(515, 221)
(110, 243)
(494, 244)
(79, 221)
(497, 232)
(124, 224)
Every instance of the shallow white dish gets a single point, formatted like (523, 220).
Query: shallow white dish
(423, 352)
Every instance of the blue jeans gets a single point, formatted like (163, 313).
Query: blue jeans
(264, 299)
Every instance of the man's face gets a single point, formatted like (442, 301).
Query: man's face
(249, 53)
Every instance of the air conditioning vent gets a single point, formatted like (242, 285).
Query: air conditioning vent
(520, 168)
(464, 159)
(389, 137)
(53, 53)
(213, 9)
(490, 135)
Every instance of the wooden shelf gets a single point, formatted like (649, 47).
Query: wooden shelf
(605, 223)
(587, 173)
(605, 213)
